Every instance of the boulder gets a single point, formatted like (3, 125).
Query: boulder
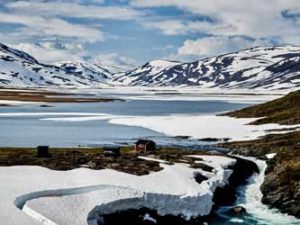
(199, 177)
(238, 210)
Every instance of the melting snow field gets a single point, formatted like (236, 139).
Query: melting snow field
(201, 126)
(65, 198)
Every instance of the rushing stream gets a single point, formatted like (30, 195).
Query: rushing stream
(250, 197)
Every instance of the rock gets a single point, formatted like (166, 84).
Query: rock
(214, 139)
(242, 170)
(203, 167)
(238, 210)
(46, 106)
(182, 137)
(199, 177)
(146, 216)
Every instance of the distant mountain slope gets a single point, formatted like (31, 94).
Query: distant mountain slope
(19, 69)
(273, 68)
(269, 68)
(92, 72)
(146, 73)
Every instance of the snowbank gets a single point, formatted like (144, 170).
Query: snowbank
(73, 197)
(201, 126)
(14, 103)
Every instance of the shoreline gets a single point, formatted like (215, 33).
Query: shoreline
(44, 96)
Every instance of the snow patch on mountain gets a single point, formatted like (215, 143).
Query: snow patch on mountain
(260, 67)
(19, 69)
(147, 71)
(267, 68)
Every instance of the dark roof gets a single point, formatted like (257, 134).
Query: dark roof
(43, 146)
(144, 141)
(111, 147)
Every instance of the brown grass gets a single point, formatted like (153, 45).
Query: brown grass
(46, 96)
(285, 110)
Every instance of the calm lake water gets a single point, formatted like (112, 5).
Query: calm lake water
(25, 125)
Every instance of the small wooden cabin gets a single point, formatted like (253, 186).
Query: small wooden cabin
(144, 145)
(42, 151)
(112, 150)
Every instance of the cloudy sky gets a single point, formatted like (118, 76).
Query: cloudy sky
(125, 33)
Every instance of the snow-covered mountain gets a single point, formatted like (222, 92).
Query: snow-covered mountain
(146, 72)
(92, 72)
(19, 69)
(259, 67)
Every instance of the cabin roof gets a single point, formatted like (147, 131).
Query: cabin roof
(43, 146)
(111, 147)
(144, 141)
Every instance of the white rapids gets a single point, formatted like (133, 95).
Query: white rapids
(250, 197)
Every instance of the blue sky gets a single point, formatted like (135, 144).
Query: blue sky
(127, 33)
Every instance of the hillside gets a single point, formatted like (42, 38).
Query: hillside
(281, 187)
(276, 68)
(19, 69)
(268, 68)
(285, 110)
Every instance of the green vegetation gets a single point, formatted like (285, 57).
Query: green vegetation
(285, 110)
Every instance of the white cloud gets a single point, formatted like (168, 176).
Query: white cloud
(212, 46)
(39, 26)
(114, 62)
(73, 9)
(49, 19)
(49, 52)
(255, 18)
(176, 27)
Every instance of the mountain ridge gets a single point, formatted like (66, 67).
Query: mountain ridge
(239, 69)
(270, 68)
(19, 69)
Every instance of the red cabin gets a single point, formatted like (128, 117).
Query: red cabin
(144, 145)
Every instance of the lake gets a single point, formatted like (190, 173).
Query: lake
(31, 125)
